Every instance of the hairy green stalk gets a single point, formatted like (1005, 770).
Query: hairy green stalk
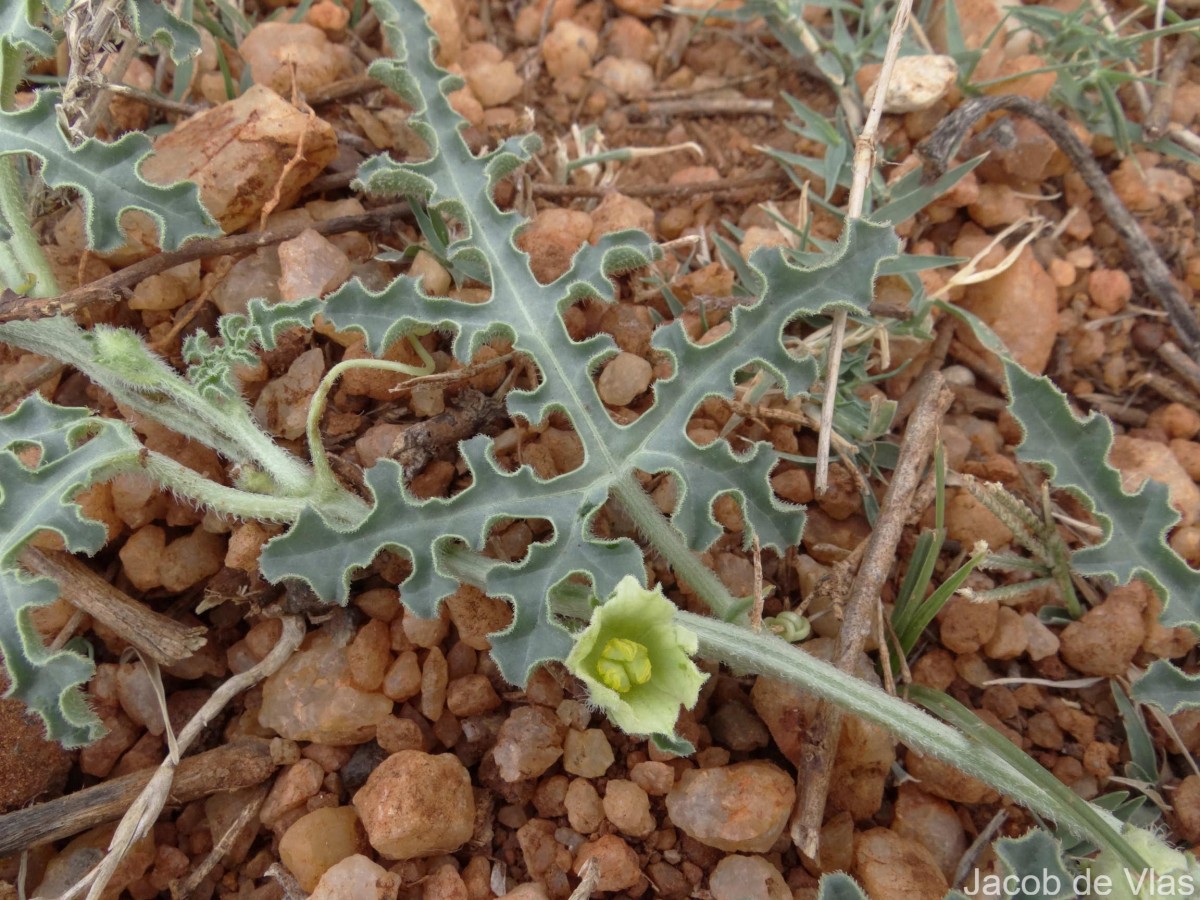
(23, 266)
(666, 539)
(323, 477)
(203, 492)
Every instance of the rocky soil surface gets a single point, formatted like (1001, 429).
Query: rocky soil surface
(387, 758)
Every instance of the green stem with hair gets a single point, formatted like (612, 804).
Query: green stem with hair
(323, 477)
(23, 266)
(666, 539)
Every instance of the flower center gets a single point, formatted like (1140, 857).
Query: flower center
(622, 664)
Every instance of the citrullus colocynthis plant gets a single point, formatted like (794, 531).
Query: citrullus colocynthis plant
(636, 661)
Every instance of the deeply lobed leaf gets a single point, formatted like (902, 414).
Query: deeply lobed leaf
(73, 448)
(20, 22)
(1074, 452)
(1168, 688)
(153, 22)
(106, 176)
(459, 186)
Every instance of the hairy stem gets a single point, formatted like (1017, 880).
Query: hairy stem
(254, 446)
(195, 487)
(763, 653)
(228, 428)
(666, 539)
(32, 274)
(322, 473)
(767, 655)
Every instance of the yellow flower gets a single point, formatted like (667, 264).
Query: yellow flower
(636, 661)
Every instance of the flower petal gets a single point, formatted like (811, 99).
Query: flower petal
(644, 617)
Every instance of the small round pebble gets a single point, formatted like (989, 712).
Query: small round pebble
(427, 633)
(624, 377)
(655, 778)
(291, 790)
(471, 695)
(1040, 641)
(136, 693)
(530, 741)
(1109, 289)
(403, 679)
(743, 807)
(531, 891)
(627, 806)
(966, 625)
(444, 884)
(568, 49)
(476, 615)
(931, 822)
(311, 698)
(319, 840)
(369, 655)
(747, 878)
(627, 77)
(415, 805)
(587, 754)
(619, 867)
(1010, 638)
(357, 878)
(891, 867)
(585, 812)
(434, 678)
(191, 559)
(1105, 640)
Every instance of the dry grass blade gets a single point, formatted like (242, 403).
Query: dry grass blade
(816, 764)
(590, 875)
(150, 802)
(864, 164)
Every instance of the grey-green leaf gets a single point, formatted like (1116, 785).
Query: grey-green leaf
(106, 176)
(839, 886)
(1074, 452)
(1035, 866)
(20, 26)
(459, 187)
(1168, 688)
(37, 495)
(156, 24)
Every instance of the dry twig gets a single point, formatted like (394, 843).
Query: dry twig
(864, 162)
(154, 100)
(1159, 115)
(161, 638)
(1185, 367)
(940, 146)
(342, 90)
(816, 762)
(1169, 389)
(229, 767)
(1116, 410)
(420, 444)
(144, 810)
(11, 391)
(14, 306)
